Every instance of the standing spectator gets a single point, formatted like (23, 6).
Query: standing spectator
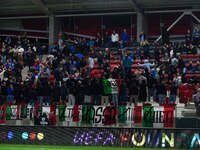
(123, 93)
(56, 94)
(87, 90)
(127, 63)
(40, 93)
(98, 40)
(41, 52)
(71, 88)
(32, 96)
(96, 91)
(106, 40)
(146, 65)
(10, 94)
(161, 92)
(105, 91)
(90, 64)
(114, 91)
(181, 66)
(173, 93)
(143, 90)
(124, 38)
(114, 39)
(30, 59)
(152, 83)
(142, 38)
(146, 49)
(63, 93)
(133, 91)
(188, 37)
(47, 94)
(79, 93)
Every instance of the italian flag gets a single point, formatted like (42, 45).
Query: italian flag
(110, 115)
(137, 114)
(158, 117)
(12, 112)
(106, 86)
(87, 114)
(61, 113)
(122, 114)
(76, 113)
(26, 111)
(50, 111)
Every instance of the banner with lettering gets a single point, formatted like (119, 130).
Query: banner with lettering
(110, 115)
(137, 114)
(45, 115)
(12, 112)
(26, 111)
(88, 113)
(158, 117)
(2, 114)
(142, 116)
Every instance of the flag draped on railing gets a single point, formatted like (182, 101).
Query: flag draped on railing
(146, 116)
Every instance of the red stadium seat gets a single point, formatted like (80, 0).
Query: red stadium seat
(183, 100)
(191, 87)
(183, 87)
(188, 95)
(135, 66)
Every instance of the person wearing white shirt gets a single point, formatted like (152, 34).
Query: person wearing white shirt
(114, 39)
(90, 64)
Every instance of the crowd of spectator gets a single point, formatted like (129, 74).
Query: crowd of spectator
(74, 71)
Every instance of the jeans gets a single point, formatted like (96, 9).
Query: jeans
(115, 99)
(96, 99)
(71, 99)
(172, 99)
(10, 98)
(40, 99)
(47, 100)
(151, 92)
(161, 98)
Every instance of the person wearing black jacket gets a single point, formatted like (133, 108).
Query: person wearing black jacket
(79, 93)
(63, 93)
(71, 88)
(161, 92)
(87, 90)
(133, 90)
(173, 93)
(96, 91)
(152, 82)
(56, 93)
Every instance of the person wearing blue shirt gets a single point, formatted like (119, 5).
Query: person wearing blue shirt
(124, 38)
(147, 65)
(127, 62)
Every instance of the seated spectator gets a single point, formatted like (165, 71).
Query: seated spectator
(197, 67)
(190, 68)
